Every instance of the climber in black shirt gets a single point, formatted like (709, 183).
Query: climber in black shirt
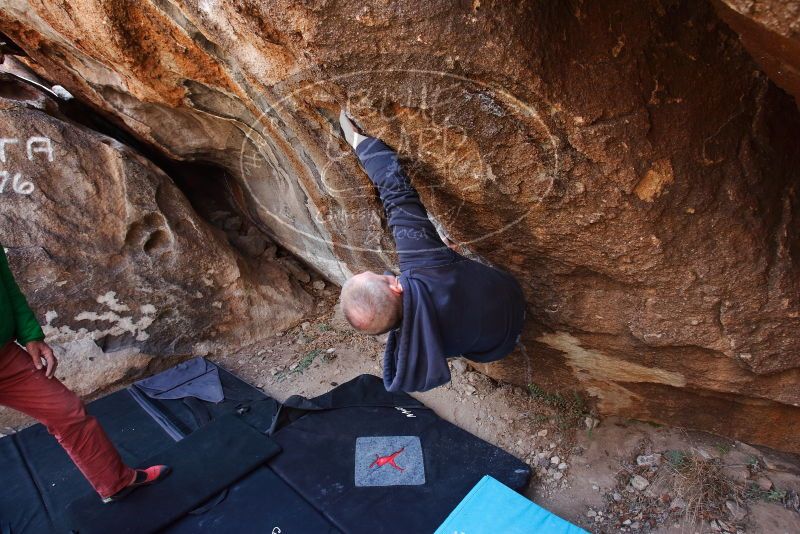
(442, 304)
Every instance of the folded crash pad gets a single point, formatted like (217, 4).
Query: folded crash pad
(490, 507)
(183, 416)
(378, 462)
(204, 463)
(198, 378)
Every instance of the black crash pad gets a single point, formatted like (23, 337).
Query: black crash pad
(204, 463)
(331, 444)
(261, 503)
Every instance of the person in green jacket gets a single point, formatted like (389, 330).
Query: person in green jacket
(27, 384)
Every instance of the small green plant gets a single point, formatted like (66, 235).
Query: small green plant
(306, 361)
(774, 495)
(553, 399)
(723, 449)
(323, 327)
(569, 410)
(676, 458)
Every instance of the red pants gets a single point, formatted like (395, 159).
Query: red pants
(24, 388)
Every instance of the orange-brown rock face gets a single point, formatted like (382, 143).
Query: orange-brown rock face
(770, 30)
(627, 161)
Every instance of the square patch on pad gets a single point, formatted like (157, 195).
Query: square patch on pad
(389, 461)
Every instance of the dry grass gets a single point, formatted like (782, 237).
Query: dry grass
(703, 486)
(685, 487)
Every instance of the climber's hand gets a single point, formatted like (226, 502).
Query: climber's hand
(40, 351)
(450, 244)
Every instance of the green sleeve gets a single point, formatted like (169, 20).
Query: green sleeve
(28, 328)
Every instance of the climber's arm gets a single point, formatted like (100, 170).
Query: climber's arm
(418, 243)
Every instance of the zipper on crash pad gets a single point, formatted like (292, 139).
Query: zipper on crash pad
(158, 416)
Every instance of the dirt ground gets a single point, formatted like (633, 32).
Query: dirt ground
(607, 475)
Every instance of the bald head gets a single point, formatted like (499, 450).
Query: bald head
(372, 303)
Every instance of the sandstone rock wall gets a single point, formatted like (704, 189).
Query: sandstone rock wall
(114, 259)
(770, 30)
(627, 161)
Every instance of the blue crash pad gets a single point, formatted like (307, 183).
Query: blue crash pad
(491, 507)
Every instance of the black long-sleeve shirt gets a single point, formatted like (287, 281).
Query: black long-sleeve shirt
(451, 305)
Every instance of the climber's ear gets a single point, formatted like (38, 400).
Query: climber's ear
(395, 286)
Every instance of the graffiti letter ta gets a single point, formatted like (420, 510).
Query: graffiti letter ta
(3, 142)
(45, 147)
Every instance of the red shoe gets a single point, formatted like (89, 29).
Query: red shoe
(144, 477)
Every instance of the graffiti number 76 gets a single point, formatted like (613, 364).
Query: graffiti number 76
(18, 185)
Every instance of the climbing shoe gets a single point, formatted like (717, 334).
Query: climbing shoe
(144, 477)
(350, 131)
